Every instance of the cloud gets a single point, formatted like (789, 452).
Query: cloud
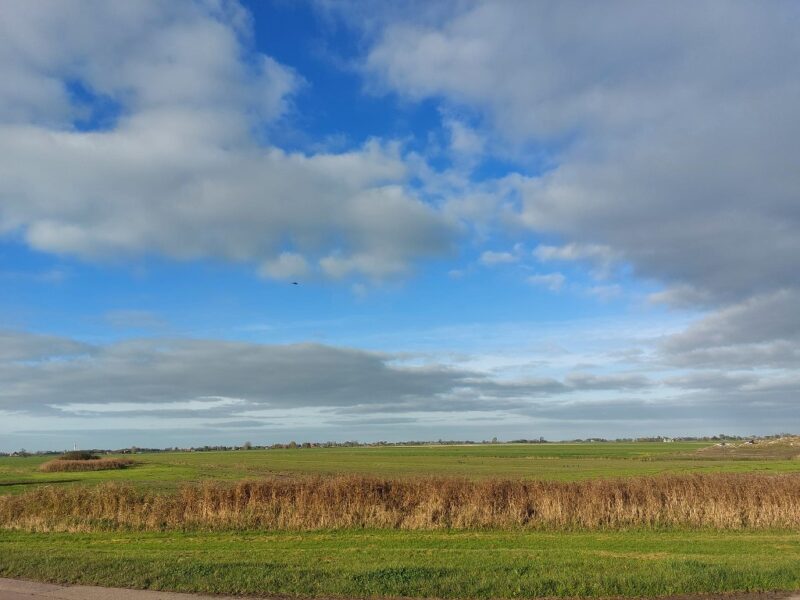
(465, 143)
(605, 292)
(670, 133)
(171, 373)
(177, 170)
(600, 256)
(717, 381)
(24, 346)
(648, 163)
(624, 381)
(491, 258)
(50, 386)
(287, 265)
(552, 281)
(761, 331)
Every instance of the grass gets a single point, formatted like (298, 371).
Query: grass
(553, 462)
(445, 564)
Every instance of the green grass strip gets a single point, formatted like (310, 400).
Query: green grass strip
(472, 564)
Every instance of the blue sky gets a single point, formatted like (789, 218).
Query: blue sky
(506, 219)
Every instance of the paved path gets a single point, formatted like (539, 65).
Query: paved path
(15, 589)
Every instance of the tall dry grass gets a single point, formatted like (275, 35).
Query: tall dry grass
(92, 464)
(721, 501)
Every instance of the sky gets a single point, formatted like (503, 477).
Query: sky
(505, 219)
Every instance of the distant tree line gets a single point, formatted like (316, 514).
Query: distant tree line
(356, 444)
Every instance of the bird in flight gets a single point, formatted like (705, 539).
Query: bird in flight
(295, 283)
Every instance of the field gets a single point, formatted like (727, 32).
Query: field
(555, 462)
(511, 559)
(476, 564)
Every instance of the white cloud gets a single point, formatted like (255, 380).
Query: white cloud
(602, 257)
(606, 292)
(287, 265)
(685, 191)
(671, 132)
(177, 171)
(464, 140)
(552, 281)
(491, 258)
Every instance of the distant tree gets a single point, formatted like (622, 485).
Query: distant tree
(494, 440)
(292, 444)
(247, 446)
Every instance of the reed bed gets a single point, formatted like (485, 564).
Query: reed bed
(92, 464)
(715, 501)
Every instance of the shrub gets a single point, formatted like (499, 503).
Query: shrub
(91, 464)
(78, 455)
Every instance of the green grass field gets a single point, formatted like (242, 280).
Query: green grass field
(422, 564)
(447, 564)
(529, 461)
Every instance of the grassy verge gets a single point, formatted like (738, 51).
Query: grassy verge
(446, 564)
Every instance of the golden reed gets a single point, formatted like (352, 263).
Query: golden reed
(717, 501)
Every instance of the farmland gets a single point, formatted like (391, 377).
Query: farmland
(475, 564)
(553, 462)
(719, 521)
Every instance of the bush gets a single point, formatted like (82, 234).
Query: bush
(78, 455)
(90, 464)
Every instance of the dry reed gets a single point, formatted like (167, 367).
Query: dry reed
(92, 464)
(717, 501)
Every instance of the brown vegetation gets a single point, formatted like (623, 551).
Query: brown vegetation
(91, 464)
(78, 455)
(721, 501)
(783, 448)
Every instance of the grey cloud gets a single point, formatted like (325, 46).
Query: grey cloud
(376, 420)
(622, 381)
(698, 412)
(719, 381)
(764, 318)
(777, 355)
(761, 331)
(215, 388)
(211, 378)
(524, 388)
(240, 424)
(155, 372)
(24, 346)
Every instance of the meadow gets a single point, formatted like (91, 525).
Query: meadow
(550, 462)
(502, 521)
(440, 564)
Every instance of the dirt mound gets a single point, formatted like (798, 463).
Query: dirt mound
(786, 448)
